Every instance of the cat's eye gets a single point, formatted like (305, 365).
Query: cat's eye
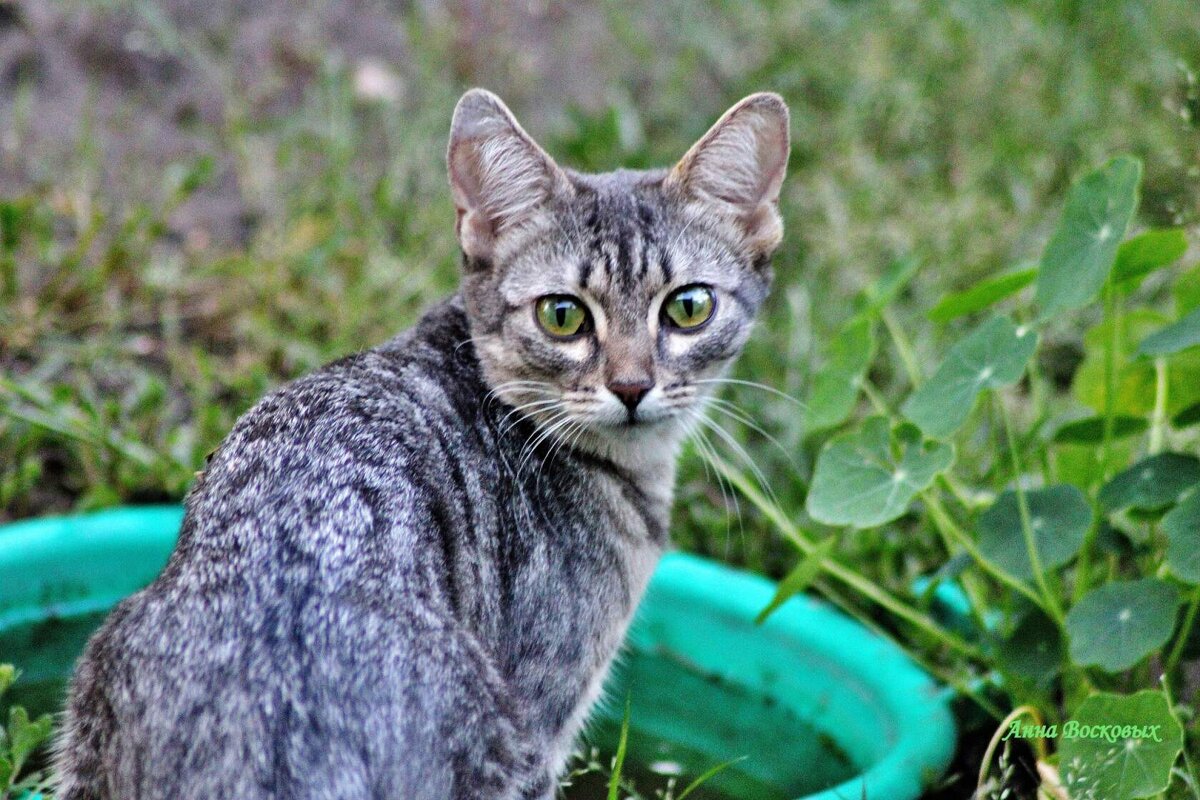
(689, 307)
(562, 316)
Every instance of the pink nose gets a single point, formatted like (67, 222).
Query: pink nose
(631, 393)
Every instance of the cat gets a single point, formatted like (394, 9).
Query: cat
(404, 575)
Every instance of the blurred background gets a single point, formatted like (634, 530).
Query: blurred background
(199, 201)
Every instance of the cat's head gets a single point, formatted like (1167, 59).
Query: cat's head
(603, 306)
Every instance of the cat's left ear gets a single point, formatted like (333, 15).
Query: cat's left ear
(499, 176)
(737, 168)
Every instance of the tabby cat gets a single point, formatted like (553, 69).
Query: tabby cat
(404, 575)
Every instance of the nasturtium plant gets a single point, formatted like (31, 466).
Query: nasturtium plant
(1119, 747)
(1134, 375)
(1086, 579)
(1034, 651)
(1152, 483)
(869, 476)
(1092, 430)
(1077, 261)
(835, 387)
(1182, 528)
(982, 295)
(1175, 337)
(1059, 518)
(993, 355)
(1118, 624)
(1147, 252)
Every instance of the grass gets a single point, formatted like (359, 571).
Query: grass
(133, 331)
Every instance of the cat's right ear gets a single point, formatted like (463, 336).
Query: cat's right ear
(499, 176)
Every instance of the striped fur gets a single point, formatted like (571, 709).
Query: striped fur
(397, 579)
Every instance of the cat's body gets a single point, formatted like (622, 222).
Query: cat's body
(404, 575)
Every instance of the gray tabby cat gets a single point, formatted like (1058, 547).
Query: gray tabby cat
(404, 575)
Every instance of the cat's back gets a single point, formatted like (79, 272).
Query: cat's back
(308, 537)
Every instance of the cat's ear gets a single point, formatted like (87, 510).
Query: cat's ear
(499, 176)
(738, 167)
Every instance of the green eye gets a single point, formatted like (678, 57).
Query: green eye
(690, 307)
(562, 316)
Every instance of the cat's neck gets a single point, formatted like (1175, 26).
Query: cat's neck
(647, 455)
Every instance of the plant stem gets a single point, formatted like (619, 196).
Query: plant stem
(1035, 561)
(908, 356)
(1189, 619)
(945, 676)
(1158, 421)
(949, 528)
(1112, 317)
(847, 576)
(1038, 743)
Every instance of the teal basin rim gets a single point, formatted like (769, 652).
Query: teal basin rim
(922, 730)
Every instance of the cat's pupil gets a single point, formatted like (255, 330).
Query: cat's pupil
(560, 314)
(688, 306)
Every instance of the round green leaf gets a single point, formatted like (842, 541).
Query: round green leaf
(1119, 747)
(835, 388)
(1175, 337)
(868, 477)
(993, 355)
(1090, 430)
(1152, 483)
(1080, 254)
(1034, 651)
(1117, 625)
(1059, 517)
(1182, 527)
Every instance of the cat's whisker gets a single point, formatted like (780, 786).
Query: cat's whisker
(547, 429)
(754, 385)
(729, 409)
(535, 405)
(741, 453)
(708, 455)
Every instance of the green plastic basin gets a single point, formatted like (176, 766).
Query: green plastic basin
(818, 706)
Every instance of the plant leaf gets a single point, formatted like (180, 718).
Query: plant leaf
(1090, 430)
(868, 477)
(835, 388)
(1175, 337)
(1152, 483)
(8, 676)
(7, 773)
(1118, 624)
(993, 355)
(798, 579)
(1080, 254)
(1119, 766)
(25, 735)
(1147, 252)
(986, 293)
(1059, 516)
(1187, 417)
(880, 293)
(1182, 528)
(1135, 378)
(1034, 651)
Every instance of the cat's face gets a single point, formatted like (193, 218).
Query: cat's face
(604, 306)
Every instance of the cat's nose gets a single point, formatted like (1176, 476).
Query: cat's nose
(631, 393)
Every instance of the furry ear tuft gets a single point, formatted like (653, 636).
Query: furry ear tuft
(499, 176)
(739, 166)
